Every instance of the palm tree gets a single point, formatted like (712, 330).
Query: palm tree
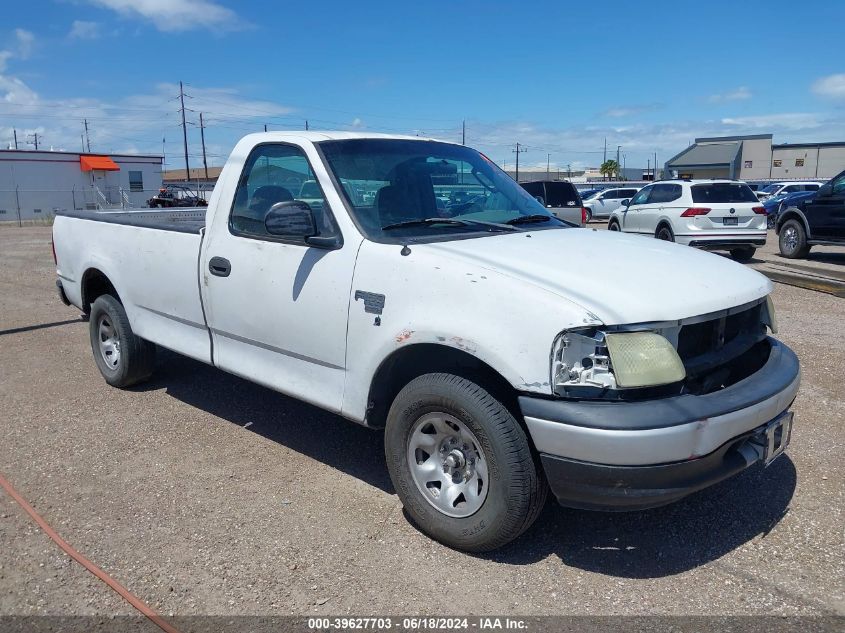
(609, 168)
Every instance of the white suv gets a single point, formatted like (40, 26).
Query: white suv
(602, 203)
(710, 214)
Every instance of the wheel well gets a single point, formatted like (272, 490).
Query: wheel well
(405, 364)
(661, 224)
(94, 284)
(791, 214)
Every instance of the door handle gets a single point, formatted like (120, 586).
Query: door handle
(219, 266)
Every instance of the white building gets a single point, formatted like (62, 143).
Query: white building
(36, 184)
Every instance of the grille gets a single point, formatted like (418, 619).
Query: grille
(709, 337)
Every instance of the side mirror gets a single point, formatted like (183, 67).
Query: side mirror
(825, 190)
(626, 202)
(290, 219)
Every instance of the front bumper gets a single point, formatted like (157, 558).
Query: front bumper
(635, 455)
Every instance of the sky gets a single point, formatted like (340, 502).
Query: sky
(559, 77)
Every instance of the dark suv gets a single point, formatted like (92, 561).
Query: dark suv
(819, 219)
(560, 197)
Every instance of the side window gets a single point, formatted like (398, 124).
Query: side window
(839, 185)
(274, 174)
(627, 193)
(642, 196)
(665, 193)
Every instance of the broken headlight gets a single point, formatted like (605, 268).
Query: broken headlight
(613, 360)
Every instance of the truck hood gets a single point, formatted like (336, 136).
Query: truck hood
(619, 278)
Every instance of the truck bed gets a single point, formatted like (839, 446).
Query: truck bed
(184, 220)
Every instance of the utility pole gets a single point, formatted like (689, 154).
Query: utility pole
(184, 132)
(202, 136)
(306, 125)
(548, 159)
(16, 138)
(569, 171)
(464, 132)
(34, 136)
(648, 168)
(654, 175)
(618, 165)
(82, 141)
(265, 127)
(87, 138)
(518, 151)
(604, 160)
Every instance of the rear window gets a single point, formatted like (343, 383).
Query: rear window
(562, 194)
(723, 192)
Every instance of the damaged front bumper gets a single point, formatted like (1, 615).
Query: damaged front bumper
(634, 455)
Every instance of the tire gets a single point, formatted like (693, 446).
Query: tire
(589, 215)
(613, 225)
(743, 254)
(123, 358)
(792, 240)
(456, 501)
(664, 232)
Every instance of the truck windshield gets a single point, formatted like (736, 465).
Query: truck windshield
(397, 188)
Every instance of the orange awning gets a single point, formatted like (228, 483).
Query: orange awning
(104, 163)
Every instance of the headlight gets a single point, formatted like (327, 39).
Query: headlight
(616, 360)
(770, 319)
(643, 359)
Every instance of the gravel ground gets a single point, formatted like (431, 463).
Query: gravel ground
(206, 494)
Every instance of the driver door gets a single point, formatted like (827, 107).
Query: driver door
(633, 215)
(277, 307)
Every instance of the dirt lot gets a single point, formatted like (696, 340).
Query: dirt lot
(205, 494)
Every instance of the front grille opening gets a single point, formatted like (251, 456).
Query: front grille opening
(720, 352)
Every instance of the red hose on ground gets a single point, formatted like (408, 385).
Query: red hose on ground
(124, 593)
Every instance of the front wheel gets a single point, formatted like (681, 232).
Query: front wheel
(122, 357)
(793, 240)
(461, 464)
(613, 225)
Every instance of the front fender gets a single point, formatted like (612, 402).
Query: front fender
(790, 213)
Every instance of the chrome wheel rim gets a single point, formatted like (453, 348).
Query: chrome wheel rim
(448, 464)
(109, 342)
(790, 238)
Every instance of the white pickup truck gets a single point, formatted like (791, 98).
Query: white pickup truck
(409, 284)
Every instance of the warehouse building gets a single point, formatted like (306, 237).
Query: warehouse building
(755, 157)
(36, 184)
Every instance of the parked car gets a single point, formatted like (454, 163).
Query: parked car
(722, 215)
(817, 219)
(778, 188)
(774, 204)
(561, 197)
(497, 372)
(602, 204)
(586, 193)
(171, 196)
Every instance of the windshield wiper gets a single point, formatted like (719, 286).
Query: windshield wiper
(526, 219)
(452, 221)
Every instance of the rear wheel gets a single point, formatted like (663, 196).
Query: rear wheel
(461, 464)
(743, 254)
(664, 232)
(122, 357)
(588, 216)
(793, 240)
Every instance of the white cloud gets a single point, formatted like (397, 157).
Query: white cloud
(25, 42)
(832, 86)
(742, 93)
(177, 15)
(788, 121)
(84, 30)
(630, 110)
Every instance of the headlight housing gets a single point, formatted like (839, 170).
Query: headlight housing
(594, 359)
